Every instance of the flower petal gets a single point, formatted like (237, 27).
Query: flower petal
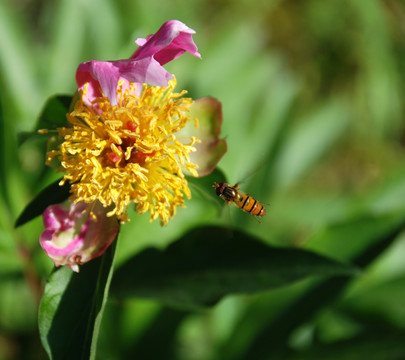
(145, 66)
(100, 75)
(54, 216)
(208, 111)
(146, 71)
(172, 40)
(80, 238)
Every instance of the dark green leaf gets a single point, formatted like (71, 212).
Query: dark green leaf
(53, 194)
(162, 331)
(53, 115)
(72, 306)
(211, 262)
(204, 185)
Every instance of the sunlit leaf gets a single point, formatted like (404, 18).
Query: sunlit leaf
(211, 262)
(382, 300)
(375, 344)
(302, 149)
(369, 236)
(72, 307)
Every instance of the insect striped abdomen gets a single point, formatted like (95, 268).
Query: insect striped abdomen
(232, 194)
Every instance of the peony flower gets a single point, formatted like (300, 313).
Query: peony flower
(145, 66)
(129, 153)
(124, 142)
(73, 237)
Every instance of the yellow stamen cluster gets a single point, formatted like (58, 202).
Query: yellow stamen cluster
(129, 152)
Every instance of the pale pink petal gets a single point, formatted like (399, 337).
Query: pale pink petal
(208, 111)
(146, 71)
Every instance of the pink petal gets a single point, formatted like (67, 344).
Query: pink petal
(83, 76)
(73, 245)
(100, 75)
(172, 40)
(77, 237)
(54, 216)
(144, 66)
(46, 235)
(146, 71)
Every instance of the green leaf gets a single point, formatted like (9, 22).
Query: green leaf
(384, 300)
(374, 344)
(302, 150)
(369, 236)
(211, 262)
(156, 342)
(54, 113)
(72, 307)
(53, 194)
(52, 116)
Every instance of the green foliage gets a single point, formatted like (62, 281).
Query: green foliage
(52, 194)
(188, 274)
(72, 307)
(52, 116)
(203, 185)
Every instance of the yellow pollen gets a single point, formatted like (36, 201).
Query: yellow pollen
(129, 153)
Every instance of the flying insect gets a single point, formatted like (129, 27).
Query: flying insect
(232, 194)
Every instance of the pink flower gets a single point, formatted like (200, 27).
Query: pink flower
(72, 237)
(144, 66)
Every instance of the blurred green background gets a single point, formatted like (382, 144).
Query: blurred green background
(313, 104)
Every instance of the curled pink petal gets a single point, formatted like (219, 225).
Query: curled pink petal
(145, 66)
(79, 237)
(172, 40)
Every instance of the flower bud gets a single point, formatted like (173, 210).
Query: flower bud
(76, 233)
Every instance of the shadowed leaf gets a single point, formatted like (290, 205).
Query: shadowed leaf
(211, 262)
(204, 185)
(53, 115)
(53, 194)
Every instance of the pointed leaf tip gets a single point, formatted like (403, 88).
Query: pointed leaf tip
(52, 194)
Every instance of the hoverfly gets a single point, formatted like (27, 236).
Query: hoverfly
(232, 194)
